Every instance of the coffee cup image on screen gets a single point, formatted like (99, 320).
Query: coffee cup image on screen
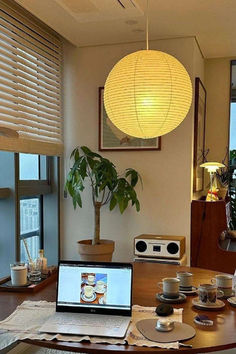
(93, 288)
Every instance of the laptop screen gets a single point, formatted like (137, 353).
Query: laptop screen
(94, 287)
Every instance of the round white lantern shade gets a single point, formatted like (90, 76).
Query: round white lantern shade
(147, 94)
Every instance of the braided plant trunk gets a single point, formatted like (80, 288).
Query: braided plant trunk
(96, 239)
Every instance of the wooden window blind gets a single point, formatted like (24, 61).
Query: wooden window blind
(30, 84)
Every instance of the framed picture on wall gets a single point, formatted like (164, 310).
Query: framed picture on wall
(199, 135)
(113, 139)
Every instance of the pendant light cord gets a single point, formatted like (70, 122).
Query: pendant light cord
(147, 44)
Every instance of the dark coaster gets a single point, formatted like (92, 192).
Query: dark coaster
(164, 310)
(171, 296)
(179, 300)
(9, 283)
(186, 288)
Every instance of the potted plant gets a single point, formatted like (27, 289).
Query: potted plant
(107, 187)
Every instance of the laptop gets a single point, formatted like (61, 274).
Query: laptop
(93, 298)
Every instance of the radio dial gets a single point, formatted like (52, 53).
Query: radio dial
(141, 246)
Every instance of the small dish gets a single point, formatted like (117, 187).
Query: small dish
(9, 283)
(232, 301)
(179, 300)
(216, 306)
(85, 281)
(91, 299)
(100, 291)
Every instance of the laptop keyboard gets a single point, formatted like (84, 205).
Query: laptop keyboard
(88, 320)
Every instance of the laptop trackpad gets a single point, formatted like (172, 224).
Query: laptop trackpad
(87, 324)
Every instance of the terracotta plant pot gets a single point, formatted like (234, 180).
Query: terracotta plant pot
(100, 253)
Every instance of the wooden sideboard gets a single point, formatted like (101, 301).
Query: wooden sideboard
(208, 220)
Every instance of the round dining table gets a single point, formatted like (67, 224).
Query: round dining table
(220, 336)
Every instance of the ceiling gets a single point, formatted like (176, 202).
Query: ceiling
(97, 22)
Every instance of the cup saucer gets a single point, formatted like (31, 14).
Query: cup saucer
(189, 292)
(216, 306)
(229, 296)
(84, 298)
(232, 301)
(100, 291)
(179, 300)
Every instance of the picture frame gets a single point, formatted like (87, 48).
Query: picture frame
(112, 139)
(199, 135)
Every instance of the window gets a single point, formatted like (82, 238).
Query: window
(34, 183)
(29, 167)
(30, 227)
(30, 215)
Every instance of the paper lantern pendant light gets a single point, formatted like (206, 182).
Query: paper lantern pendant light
(147, 94)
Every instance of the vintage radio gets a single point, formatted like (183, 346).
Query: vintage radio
(171, 247)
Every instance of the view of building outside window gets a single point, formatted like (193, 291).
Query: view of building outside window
(29, 227)
(29, 167)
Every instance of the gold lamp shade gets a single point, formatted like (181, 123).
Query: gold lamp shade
(147, 94)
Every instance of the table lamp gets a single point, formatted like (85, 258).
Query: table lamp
(212, 167)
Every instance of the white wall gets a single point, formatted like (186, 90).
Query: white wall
(166, 195)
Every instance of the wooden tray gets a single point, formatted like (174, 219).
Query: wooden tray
(5, 284)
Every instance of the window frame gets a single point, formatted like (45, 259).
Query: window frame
(28, 189)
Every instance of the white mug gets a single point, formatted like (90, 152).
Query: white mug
(224, 283)
(88, 291)
(170, 287)
(18, 274)
(100, 285)
(90, 279)
(185, 278)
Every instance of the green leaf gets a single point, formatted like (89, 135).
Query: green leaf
(121, 206)
(86, 150)
(91, 162)
(125, 204)
(73, 152)
(70, 189)
(78, 199)
(77, 154)
(113, 202)
(83, 168)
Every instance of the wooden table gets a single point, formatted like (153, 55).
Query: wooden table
(146, 275)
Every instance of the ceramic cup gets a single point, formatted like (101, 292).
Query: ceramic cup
(100, 285)
(223, 283)
(208, 294)
(91, 279)
(88, 291)
(170, 287)
(18, 274)
(186, 280)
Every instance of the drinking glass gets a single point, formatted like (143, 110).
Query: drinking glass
(34, 269)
